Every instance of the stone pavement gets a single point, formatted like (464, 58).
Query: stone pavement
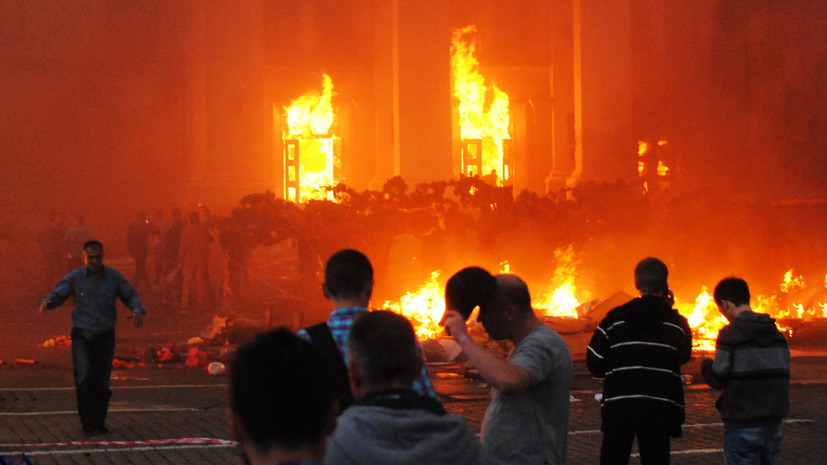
(176, 415)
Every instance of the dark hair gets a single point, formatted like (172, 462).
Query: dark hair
(511, 290)
(93, 244)
(468, 288)
(347, 274)
(279, 392)
(651, 276)
(382, 344)
(732, 289)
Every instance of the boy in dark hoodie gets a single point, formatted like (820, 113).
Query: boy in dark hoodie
(752, 366)
(638, 349)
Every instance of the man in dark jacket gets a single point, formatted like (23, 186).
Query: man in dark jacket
(752, 366)
(638, 350)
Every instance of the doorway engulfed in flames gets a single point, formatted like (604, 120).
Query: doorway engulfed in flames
(311, 147)
(484, 115)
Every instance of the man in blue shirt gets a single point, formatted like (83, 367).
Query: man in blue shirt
(94, 288)
(349, 285)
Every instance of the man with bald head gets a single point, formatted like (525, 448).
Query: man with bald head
(527, 419)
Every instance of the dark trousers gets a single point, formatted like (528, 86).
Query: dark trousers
(652, 442)
(92, 360)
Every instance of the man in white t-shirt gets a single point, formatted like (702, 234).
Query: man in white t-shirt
(527, 420)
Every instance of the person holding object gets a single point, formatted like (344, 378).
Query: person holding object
(638, 350)
(527, 419)
(752, 367)
(94, 288)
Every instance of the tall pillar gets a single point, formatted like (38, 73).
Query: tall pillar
(418, 64)
(564, 133)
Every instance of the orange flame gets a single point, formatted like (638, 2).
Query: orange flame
(704, 319)
(791, 283)
(424, 308)
(483, 110)
(663, 170)
(309, 121)
(559, 299)
(312, 113)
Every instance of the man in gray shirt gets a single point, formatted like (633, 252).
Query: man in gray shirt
(527, 420)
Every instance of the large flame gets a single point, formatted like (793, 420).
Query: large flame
(311, 114)
(423, 307)
(560, 299)
(483, 110)
(309, 123)
(704, 319)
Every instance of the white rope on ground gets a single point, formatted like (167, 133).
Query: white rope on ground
(147, 442)
(121, 388)
(126, 410)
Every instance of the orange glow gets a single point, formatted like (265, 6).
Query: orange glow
(791, 282)
(423, 307)
(704, 319)
(560, 299)
(483, 110)
(642, 147)
(308, 132)
(663, 170)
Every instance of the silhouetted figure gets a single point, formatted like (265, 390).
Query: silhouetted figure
(281, 410)
(137, 241)
(752, 367)
(73, 242)
(94, 288)
(348, 284)
(170, 243)
(491, 178)
(50, 241)
(193, 260)
(157, 249)
(638, 349)
(239, 249)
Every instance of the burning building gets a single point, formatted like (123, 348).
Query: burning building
(194, 103)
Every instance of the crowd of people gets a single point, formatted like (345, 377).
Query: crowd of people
(171, 254)
(355, 389)
(377, 405)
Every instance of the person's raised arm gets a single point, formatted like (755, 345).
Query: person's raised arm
(497, 372)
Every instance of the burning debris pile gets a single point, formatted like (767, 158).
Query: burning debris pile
(575, 248)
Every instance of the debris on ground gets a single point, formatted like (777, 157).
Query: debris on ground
(59, 341)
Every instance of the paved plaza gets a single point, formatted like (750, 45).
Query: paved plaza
(172, 414)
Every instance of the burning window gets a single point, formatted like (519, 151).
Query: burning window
(483, 114)
(651, 164)
(312, 150)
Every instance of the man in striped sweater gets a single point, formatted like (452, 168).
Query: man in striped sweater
(752, 366)
(638, 350)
